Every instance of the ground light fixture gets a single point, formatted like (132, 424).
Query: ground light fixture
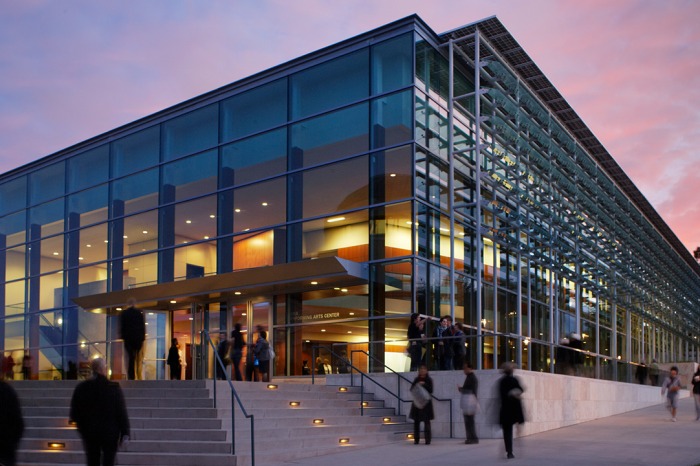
(343, 389)
(57, 445)
(410, 436)
(272, 386)
(343, 440)
(365, 404)
(318, 421)
(294, 404)
(386, 419)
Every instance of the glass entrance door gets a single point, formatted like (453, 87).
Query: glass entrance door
(155, 347)
(252, 315)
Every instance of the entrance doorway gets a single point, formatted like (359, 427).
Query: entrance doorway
(252, 314)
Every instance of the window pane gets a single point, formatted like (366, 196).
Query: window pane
(260, 205)
(394, 169)
(392, 119)
(337, 187)
(137, 192)
(195, 220)
(14, 264)
(397, 230)
(92, 246)
(330, 137)
(48, 217)
(346, 237)
(195, 260)
(140, 270)
(259, 249)
(255, 110)
(340, 81)
(189, 177)
(91, 205)
(141, 232)
(51, 255)
(392, 64)
(46, 183)
(192, 132)
(13, 195)
(254, 158)
(13, 228)
(89, 168)
(136, 152)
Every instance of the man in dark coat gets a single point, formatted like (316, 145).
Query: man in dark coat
(511, 412)
(11, 424)
(133, 328)
(98, 409)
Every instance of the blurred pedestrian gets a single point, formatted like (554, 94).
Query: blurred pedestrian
(26, 365)
(696, 393)
(133, 328)
(641, 373)
(8, 367)
(237, 344)
(511, 412)
(174, 360)
(262, 355)
(422, 406)
(470, 403)
(222, 351)
(670, 388)
(459, 345)
(99, 411)
(11, 424)
(654, 373)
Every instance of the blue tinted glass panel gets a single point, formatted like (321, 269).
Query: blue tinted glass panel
(136, 152)
(338, 82)
(13, 228)
(191, 176)
(392, 119)
(392, 64)
(192, 132)
(47, 183)
(48, 216)
(89, 168)
(336, 187)
(331, 136)
(260, 205)
(254, 158)
(137, 192)
(254, 111)
(13, 195)
(90, 204)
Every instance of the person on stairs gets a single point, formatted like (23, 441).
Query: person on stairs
(422, 406)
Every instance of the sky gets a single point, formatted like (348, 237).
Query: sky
(72, 69)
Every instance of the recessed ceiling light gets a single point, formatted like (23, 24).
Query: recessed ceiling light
(119, 309)
(145, 232)
(55, 253)
(247, 229)
(125, 237)
(323, 329)
(349, 331)
(264, 204)
(237, 293)
(352, 313)
(236, 210)
(344, 290)
(172, 301)
(409, 223)
(81, 258)
(335, 219)
(314, 283)
(206, 237)
(88, 245)
(212, 216)
(188, 221)
(392, 175)
(106, 241)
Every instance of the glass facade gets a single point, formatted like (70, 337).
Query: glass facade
(457, 191)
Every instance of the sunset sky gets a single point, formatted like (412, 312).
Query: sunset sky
(72, 69)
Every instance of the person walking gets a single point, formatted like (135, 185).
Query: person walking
(654, 373)
(262, 354)
(511, 411)
(696, 393)
(222, 352)
(99, 411)
(670, 388)
(133, 328)
(237, 344)
(174, 360)
(11, 424)
(470, 404)
(422, 406)
(415, 335)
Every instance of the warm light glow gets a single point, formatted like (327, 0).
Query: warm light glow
(314, 283)
(393, 175)
(57, 445)
(342, 389)
(344, 440)
(318, 421)
(386, 419)
(236, 210)
(125, 237)
(212, 216)
(145, 232)
(352, 314)
(81, 258)
(409, 436)
(264, 204)
(60, 321)
(294, 404)
(365, 404)
(55, 253)
(173, 301)
(335, 219)
(119, 309)
(237, 293)
(344, 290)
(206, 237)
(88, 245)
(272, 386)
(188, 221)
(323, 329)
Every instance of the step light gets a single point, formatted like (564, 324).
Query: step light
(294, 404)
(344, 441)
(343, 389)
(57, 445)
(386, 419)
(365, 404)
(272, 386)
(72, 423)
(318, 421)
(409, 437)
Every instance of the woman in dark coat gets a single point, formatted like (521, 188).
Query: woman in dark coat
(426, 413)
(511, 412)
(415, 334)
(174, 360)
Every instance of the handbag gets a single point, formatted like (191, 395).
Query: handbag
(421, 397)
(270, 353)
(469, 404)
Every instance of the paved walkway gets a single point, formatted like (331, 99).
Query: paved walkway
(642, 437)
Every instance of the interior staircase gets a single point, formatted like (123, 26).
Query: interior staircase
(175, 423)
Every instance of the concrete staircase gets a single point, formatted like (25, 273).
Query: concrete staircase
(175, 423)
(285, 433)
(172, 423)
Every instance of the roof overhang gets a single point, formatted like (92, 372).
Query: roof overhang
(293, 277)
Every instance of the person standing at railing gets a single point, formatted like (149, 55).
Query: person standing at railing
(443, 344)
(415, 335)
(459, 344)
(422, 406)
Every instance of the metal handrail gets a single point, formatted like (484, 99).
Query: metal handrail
(364, 375)
(398, 384)
(234, 396)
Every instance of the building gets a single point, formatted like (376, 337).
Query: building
(327, 199)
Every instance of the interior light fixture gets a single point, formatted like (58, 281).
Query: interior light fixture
(323, 329)
(352, 313)
(237, 293)
(55, 253)
(264, 204)
(212, 216)
(393, 175)
(335, 219)
(81, 258)
(188, 221)
(344, 290)
(88, 245)
(119, 309)
(206, 237)
(349, 331)
(409, 436)
(294, 404)
(125, 237)
(318, 421)
(145, 232)
(314, 283)
(365, 404)
(236, 210)
(172, 301)
(106, 241)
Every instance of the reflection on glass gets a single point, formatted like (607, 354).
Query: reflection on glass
(254, 158)
(336, 187)
(136, 151)
(88, 169)
(254, 110)
(192, 132)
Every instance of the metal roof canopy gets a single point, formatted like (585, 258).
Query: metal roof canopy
(506, 45)
(270, 280)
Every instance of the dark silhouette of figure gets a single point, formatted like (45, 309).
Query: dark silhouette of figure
(11, 424)
(26, 366)
(654, 373)
(415, 335)
(98, 409)
(72, 373)
(305, 369)
(133, 328)
(9, 367)
(237, 344)
(174, 360)
(459, 345)
(423, 414)
(641, 373)
(470, 386)
(511, 412)
(261, 350)
(222, 351)
(444, 344)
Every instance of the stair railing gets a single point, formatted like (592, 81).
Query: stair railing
(234, 399)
